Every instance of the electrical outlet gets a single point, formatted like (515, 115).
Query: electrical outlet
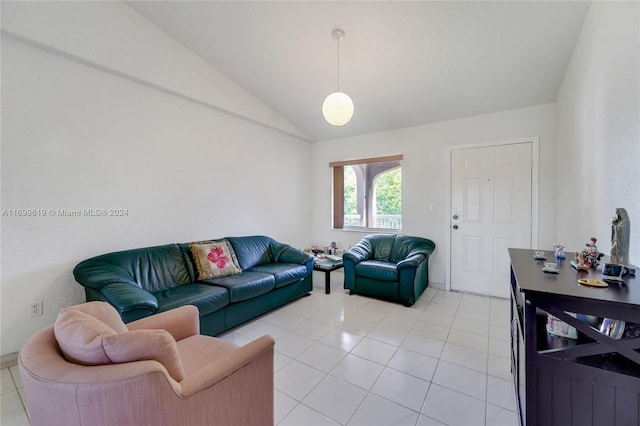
(35, 309)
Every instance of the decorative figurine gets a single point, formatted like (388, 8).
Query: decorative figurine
(590, 255)
(559, 251)
(581, 261)
(334, 247)
(620, 228)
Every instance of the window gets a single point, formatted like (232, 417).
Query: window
(367, 193)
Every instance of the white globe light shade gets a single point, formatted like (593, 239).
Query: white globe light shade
(337, 109)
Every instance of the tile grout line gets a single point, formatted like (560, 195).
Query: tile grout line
(438, 363)
(22, 401)
(386, 365)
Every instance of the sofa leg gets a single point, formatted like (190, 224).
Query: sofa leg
(352, 292)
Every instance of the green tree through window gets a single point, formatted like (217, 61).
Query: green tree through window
(367, 193)
(350, 193)
(389, 192)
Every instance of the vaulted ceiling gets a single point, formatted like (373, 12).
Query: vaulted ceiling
(403, 63)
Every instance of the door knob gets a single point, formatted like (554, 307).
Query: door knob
(455, 226)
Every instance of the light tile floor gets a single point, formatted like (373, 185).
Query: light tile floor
(12, 408)
(353, 360)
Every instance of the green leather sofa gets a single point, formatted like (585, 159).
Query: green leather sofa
(388, 266)
(146, 281)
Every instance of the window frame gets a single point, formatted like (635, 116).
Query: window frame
(338, 190)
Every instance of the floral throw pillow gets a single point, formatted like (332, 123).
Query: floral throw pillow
(214, 259)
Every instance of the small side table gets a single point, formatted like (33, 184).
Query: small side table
(326, 268)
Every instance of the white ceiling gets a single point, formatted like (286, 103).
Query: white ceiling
(403, 63)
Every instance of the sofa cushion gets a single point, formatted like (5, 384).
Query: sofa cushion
(247, 285)
(284, 273)
(214, 259)
(404, 246)
(205, 297)
(93, 334)
(150, 268)
(383, 271)
(197, 351)
(80, 335)
(252, 251)
(140, 345)
(381, 246)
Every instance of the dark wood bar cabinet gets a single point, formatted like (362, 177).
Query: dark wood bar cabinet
(591, 380)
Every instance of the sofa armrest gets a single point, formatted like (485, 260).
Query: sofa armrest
(411, 261)
(126, 297)
(288, 254)
(228, 364)
(180, 322)
(97, 274)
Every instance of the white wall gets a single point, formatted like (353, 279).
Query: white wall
(77, 136)
(598, 129)
(113, 36)
(424, 171)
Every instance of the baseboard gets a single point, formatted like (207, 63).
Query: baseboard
(8, 360)
(439, 286)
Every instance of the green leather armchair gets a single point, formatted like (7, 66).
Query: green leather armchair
(388, 266)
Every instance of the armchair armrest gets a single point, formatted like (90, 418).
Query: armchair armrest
(180, 322)
(126, 297)
(358, 253)
(227, 365)
(411, 261)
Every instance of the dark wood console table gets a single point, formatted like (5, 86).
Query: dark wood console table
(591, 380)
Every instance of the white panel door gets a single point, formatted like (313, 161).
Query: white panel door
(490, 212)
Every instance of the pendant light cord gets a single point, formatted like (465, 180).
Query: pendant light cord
(338, 61)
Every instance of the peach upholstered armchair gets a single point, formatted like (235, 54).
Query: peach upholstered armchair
(92, 369)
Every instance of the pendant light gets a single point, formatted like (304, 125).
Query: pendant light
(337, 108)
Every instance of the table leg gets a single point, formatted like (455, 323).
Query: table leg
(327, 282)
